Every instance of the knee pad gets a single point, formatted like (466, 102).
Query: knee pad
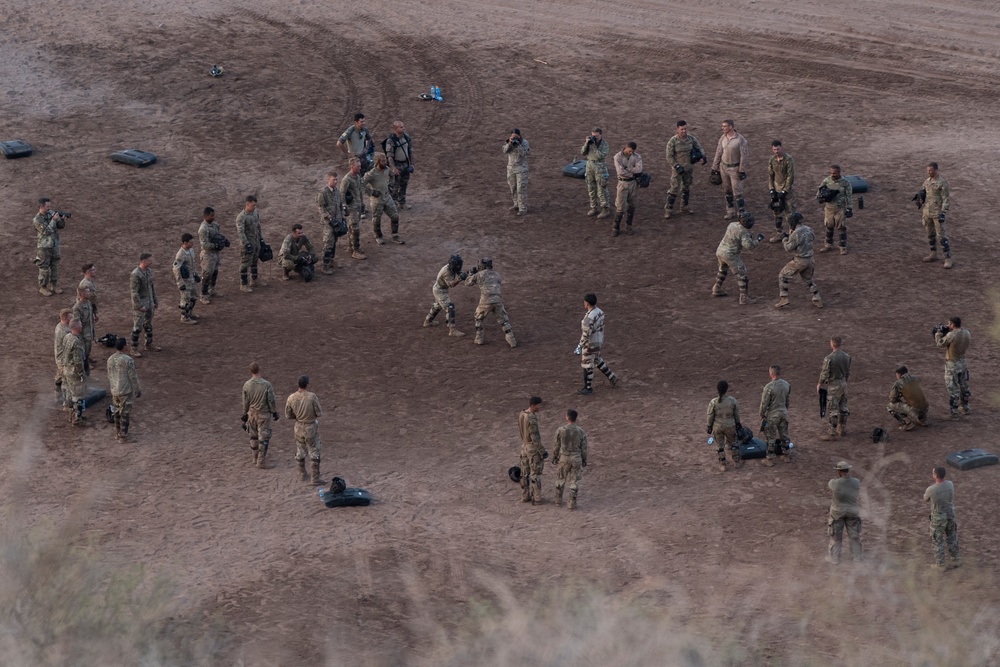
(451, 312)
(148, 328)
(729, 199)
(327, 256)
(945, 245)
(741, 204)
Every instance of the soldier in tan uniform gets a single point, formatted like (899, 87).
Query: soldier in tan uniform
(331, 209)
(212, 242)
(83, 311)
(799, 242)
(845, 512)
(837, 197)
(186, 276)
(907, 403)
(74, 372)
(590, 346)
(304, 408)
(834, 375)
(47, 224)
(490, 300)
(956, 340)
(450, 275)
(62, 329)
(944, 528)
(935, 200)
(251, 235)
(732, 157)
(628, 167)
(259, 408)
(532, 452)
(297, 255)
(729, 253)
(595, 152)
(570, 457)
(124, 383)
(516, 149)
(144, 303)
(683, 150)
(723, 420)
(780, 181)
(377, 182)
(89, 277)
(774, 404)
(399, 153)
(352, 193)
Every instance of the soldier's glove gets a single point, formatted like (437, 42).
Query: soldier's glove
(463, 275)
(248, 248)
(709, 430)
(245, 418)
(941, 217)
(583, 463)
(678, 168)
(545, 454)
(182, 288)
(474, 270)
(775, 196)
(275, 416)
(849, 213)
(185, 273)
(578, 350)
(138, 394)
(704, 160)
(743, 176)
(590, 139)
(784, 235)
(763, 424)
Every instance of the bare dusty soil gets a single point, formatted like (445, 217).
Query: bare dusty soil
(428, 422)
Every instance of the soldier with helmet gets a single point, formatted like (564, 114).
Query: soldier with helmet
(799, 242)
(490, 300)
(736, 239)
(845, 512)
(450, 275)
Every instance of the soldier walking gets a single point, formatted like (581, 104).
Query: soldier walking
(212, 242)
(259, 408)
(845, 512)
(450, 275)
(837, 197)
(774, 404)
(490, 300)
(834, 375)
(331, 210)
(732, 156)
(780, 181)
(532, 452)
(944, 528)
(47, 224)
(907, 403)
(186, 275)
(144, 303)
(683, 150)
(570, 457)
(251, 236)
(352, 193)
(935, 200)
(723, 422)
(628, 166)
(590, 345)
(729, 253)
(516, 149)
(595, 152)
(378, 180)
(799, 242)
(124, 383)
(303, 406)
(956, 342)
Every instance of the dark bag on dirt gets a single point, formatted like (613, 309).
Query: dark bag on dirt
(134, 157)
(265, 254)
(576, 169)
(349, 497)
(858, 184)
(754, 448)
(644, 179)
(971, 458)
(15, 149)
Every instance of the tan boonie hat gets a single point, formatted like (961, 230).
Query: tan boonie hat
(842, 465)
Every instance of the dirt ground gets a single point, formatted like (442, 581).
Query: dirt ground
(427, 422)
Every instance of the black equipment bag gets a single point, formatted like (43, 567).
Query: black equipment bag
(265, 254)
(971, 458)
(134, 157)
(349, 497)
(754, 448)
(858, 184)
(576, 169)
(94, 397)
(14, 149)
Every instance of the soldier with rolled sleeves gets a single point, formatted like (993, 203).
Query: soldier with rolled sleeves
(516, 149)
(124, 384)
(723, 421)
(956, 342)
(732, 156)
(774, 403)
(834, 375)
(251, 235)
(352, 193)
(303, 406)
(490, 300)
(590, 345)
(837, 197)
(142, 291)
(259, 408)
(212, 242)
(532, 452)
(780, 181)
(89, 277)
(799, 241)
(683, 150)
(935, 200)
(83, 311)
(297, 255)
(377, 182)
(570, 457)
(48, 251)
(62, 328)
(595, 151)
(845, 512)
(729, 253)
(450, 275)
(628, 166)
(944, 528)
(331, 210)
(399, 153)
(186, 275)
(907, 403)
(74, 372)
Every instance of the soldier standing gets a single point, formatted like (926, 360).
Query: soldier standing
(74, 372)
(124, 384)
(835, 373)
(331, 210)
(935, 200)
(683, 150)
(144, 303)
(799, 242)
(399, 152)
(297, 254)
(729, 253)
(570, 455)
(356, 141)
(47, 224)
(259, 408)
(89, 276)
(83, 311)
(516, 149)
(944, 529)
(956, 340)
(186, 275)
(251, 236)
(774, 404)
(62, 329)
(907, 403)
(628, 166)
(595, 152)
(449, 276)
(780, 180)
(303, 406)
(589, 347)
(723, 421)
(352, 192)
(213, 242)
(732, 156)
(845, 512)
(532, 452)
(837, 197)
(378, 181)
(490, 300)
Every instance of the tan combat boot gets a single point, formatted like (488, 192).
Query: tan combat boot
(55, 290)
(525, 493)
(315, 478)
(303, 475)
(133, 349)
(571, 504)
(261, 455)
(593, 211)
(480, 338)
(396, 239)
(830, 433)
(45, 291)
(948, 263)
(782, 302)
(511, 340)
(818, 302)
(605, 213)
(254, 452)
(246, 288)
(455, 333)
(843, 250)
(327, 269)
(827, 247)
(932, 257)
(357, 254)
(667, 214)
(558, 498)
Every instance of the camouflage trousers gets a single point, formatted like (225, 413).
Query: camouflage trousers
(735, 264)
(60, 387)
(725, 436)
(329, 244)
(388, 206)
(936, 231)
(47, 261)
(956, 379)
(680, 183)
(798, 267)
(307, 441)
(123, 405)
(75, 388)
(142, 320)
(250, 258)
(517, 181)
(354, 228)
(398, 185)
(944, 531)
(499, 311)
(834, 219)
(597, 184)
(836, 402)
(790, 208)
(569, 473)
(189, 295)
(210, 263)
(903, 411)
(626, 196)
(259, 427)
(836, 531)
(776, 431)
(442, 301)
(532, 465)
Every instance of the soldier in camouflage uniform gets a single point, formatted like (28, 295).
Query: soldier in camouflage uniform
(729, 253)
(845, 513)
(956, 371)
(74, 372)
(212, 242)
(628, 167)
(89, 276)
(799, 242)
(259, 408)
(377, 182)
(399, 153)
(297, 255)
(83, 311)
(907, 403)
(935, 202)
(450, 275)
(780, 181)
(516, 149)
(62, 328)
(835, 373)
(357, 142)
(331, 210)
(352, 193)
(723, 420)
(837, 197)
(732, 157)
(944, 528)
(490, 300)
(595, 152)
(683, 150)
(186, 276)
(303, 406)
(532, 452)
(143, 294)
(570, 457)
(47, 224)
(774, 404)
(590, 345)
(124, 384)
(250, 234)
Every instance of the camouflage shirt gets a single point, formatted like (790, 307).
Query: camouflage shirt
(378, 180)
(352, 191)
(845, 193)
(489, 286)
(844, 503)
(47, 227)
(527, 424)
(723, 412)
(836, 367)
(122, 377)
(736, 239)
(957, 342)
(83, 311)
(800, 242)
(328, 202)
(571, 441)
(89, 284)
(938, 195)
(60, 341)
(258, 396)
(141, 289)
(781, 173)
(775, 399)
(444, 279)
(595, 152)
(303, 407)
(248, 228)
(679, 150)
(292, 247)
(942, 498)
(209, 234)
(907, 390)
(73, 355)
(184, 262)
(517, 155)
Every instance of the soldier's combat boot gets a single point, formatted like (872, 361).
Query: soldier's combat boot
(133, 349)
(588, 383)
(668, 212)
(254, 452)
(357, 254)
(558, 498)
(54, 289)
(204, 299)
(525, 491)
(303, 475)
(828, 244)
(605, 213)
(124, 430)
(428, 322)
(628, 220)
(571, 504)
(816, 301)
(717, 289)
(947, 263)
(830, 434)
(932, 257)
(684, 206)
(396, 239)
(314, 478)
(511, 340)
(730, 208)
(616, 228)
(150, 346)
(327, 269)
(262, 454)
(782, 302)
(594, 210)
(45, 291)
(480, 337)
(453, 332)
